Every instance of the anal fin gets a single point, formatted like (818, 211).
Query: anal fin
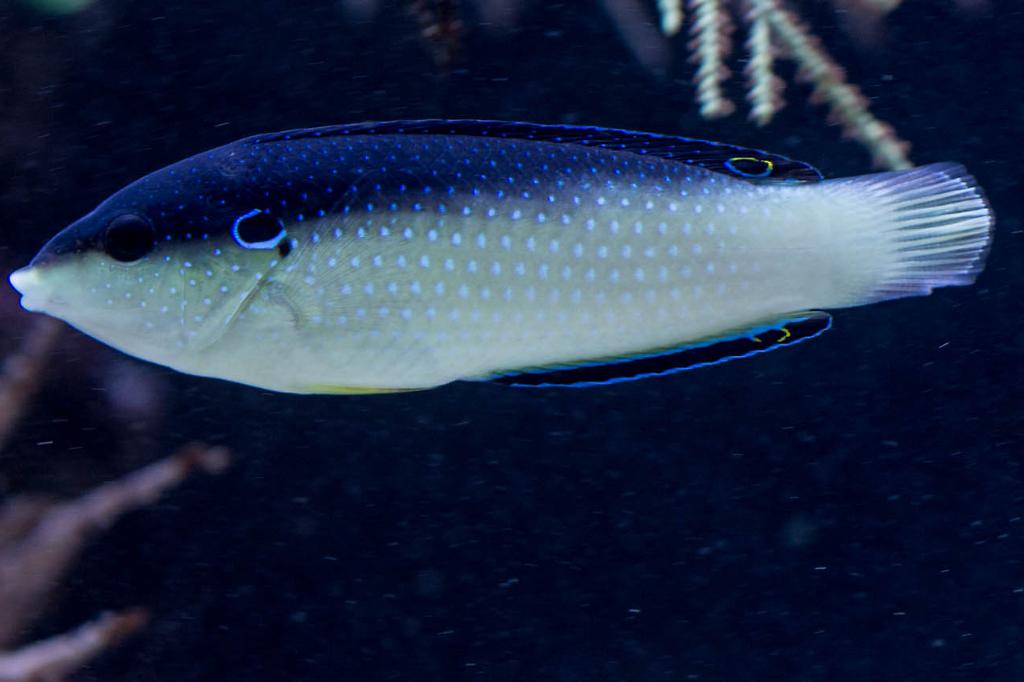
(743, 343)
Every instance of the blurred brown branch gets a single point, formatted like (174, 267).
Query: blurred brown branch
(440, 28)
(55, 658)
(22, 373)
(34, 560)
(40, 539)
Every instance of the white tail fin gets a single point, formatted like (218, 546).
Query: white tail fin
(930, 227)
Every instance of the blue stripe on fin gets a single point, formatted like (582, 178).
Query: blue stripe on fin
(742, 162)
(753, 341)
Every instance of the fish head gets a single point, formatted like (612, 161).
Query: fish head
(163, 267)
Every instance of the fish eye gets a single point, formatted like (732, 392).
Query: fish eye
(257, 230)
(128, 238)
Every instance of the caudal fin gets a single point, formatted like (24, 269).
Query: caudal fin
(931, 227)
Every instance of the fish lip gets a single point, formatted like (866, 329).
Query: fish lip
(27, 282)
(20, 279)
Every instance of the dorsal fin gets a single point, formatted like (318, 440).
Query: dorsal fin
(760, 339)
(749, 164)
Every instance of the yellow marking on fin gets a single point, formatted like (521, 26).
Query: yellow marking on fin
(787, 334)
(769, 166)
(767, 162)
(327, 389)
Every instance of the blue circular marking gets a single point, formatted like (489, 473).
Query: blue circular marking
(266, 244)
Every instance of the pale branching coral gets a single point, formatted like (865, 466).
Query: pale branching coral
(773, 29)
(671, 12)
(847, 106)
(765, 88)
(709, 48)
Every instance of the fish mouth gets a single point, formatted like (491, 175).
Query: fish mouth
(36, 294)
(28, 283)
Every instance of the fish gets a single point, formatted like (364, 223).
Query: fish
(404, 255)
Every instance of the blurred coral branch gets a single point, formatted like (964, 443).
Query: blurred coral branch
(55, 658)
(709, 48)
(774, 29)
(772, 26)
(631, 19)
(765, 94)
(35, 558)
(847, 105)
(22, 373)
(40, 539)
(440, 28)
(672, 16)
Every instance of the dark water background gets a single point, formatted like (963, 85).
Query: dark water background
(852, 509)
